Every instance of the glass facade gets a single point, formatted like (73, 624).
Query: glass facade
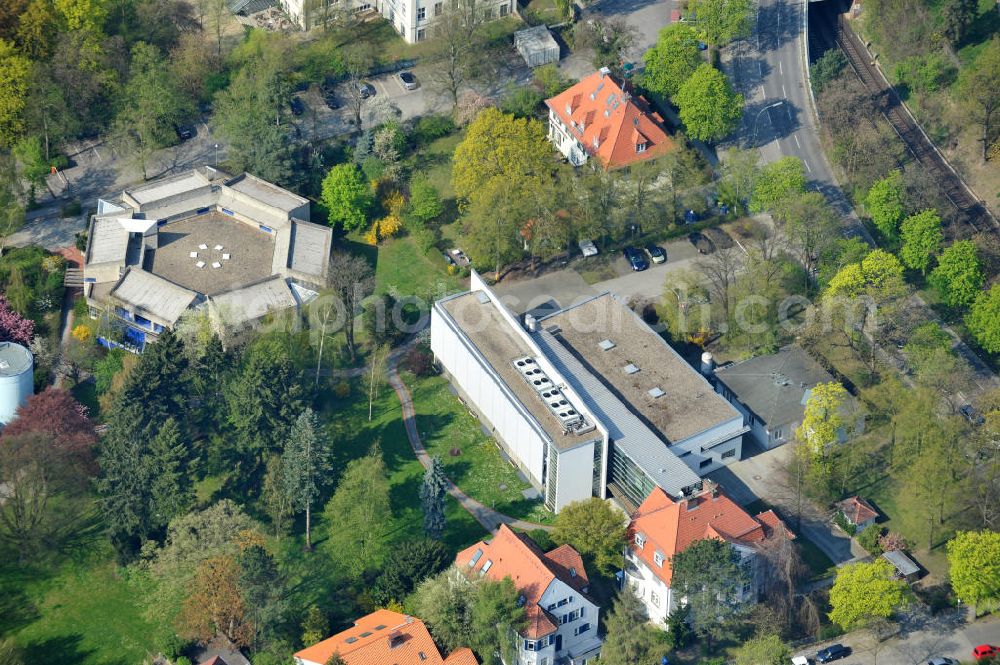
(629, 478)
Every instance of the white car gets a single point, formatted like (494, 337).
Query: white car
(588, 248)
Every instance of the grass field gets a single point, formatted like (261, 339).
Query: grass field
(404, 269)
(479, 470)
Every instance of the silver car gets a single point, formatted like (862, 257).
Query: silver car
(588, 247)
(407, 80)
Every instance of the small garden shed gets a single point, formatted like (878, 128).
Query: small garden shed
(537, 46)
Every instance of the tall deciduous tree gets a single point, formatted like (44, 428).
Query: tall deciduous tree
(958, 16)
(351, 280)
(359, 512)
(822, 419)
(594, 529)
(54, 411)
(432, 495)
(974, 566)
(306, 465)
(958, 276)
(672, 60)
(629, 638)
(457, 40)
(980, 90)
(983, 319)
(722, 21)
(709, 572)
(866, 592)
(922, 236)
(215, 605)
(778, 182)
(347, 197)
(709, 107)
(15, 72)
(886, 205)
(811, 225)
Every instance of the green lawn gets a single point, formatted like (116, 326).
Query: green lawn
(72, 607)
(403, 269)
(446, 425)
(819, 564)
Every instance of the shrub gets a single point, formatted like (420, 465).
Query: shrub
(892, 542)
(182, 660)
(829, 632)
(342, 389)
(844, 525)
(420, 361)
(827, 68)
(869, 538)
(431, 127)
(542, 538)
(522, 101)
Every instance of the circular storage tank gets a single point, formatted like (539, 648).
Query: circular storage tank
(17, 382)
(707, 364)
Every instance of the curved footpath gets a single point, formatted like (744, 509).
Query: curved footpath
(489, 518)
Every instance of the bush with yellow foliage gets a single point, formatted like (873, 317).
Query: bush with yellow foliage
(82, 333)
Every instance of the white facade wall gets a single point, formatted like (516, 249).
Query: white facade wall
(575, 474)
(565, 142)
(574, 604)
(516, 429)
(724, 438)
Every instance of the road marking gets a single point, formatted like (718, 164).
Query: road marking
(783, 93)
(780, 71)
(807, 166)
(763, 92)
(797, 144)
(760, 68)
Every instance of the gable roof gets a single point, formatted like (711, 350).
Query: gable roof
(613, 120)
(857, 510)
(153, 295)
(516, 556)
(670, 527)
(384, 637)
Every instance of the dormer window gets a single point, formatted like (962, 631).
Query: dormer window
(569, 110)
(640, 540)
(658, 558)
(640, 147)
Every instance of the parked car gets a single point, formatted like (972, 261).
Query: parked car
(656, 254)
(971, 414)
(366, 90)
(588, 248)
(801, 660)
(832, 653)
(942, 661)
(985, 652)
(184, 132)
(635, 259)
(408, 80)
(298, 108)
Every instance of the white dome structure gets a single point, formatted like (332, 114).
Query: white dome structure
(17, 381)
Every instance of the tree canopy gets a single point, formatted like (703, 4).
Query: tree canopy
(762, 650)
(594, 529)
(958, 276)
(710, 573)
(672, 60)
(709, 107)
(346, 197)
(866, 592)
(778, 182)
(922, 236)
(629, 638)
(974, 565)
(886, 205)
(983, 319)
(722, 21)
(822, 419)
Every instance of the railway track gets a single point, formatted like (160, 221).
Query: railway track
(971, 215)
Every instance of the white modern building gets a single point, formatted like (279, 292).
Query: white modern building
(412, 19)
(588, 401)
(663, 527)
(561, 616)
(237, 248)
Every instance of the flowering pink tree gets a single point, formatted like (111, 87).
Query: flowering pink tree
(13, 326)
(891, 542)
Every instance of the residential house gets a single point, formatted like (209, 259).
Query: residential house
(771, 392)
(602, 118)
(663, 527)
(588, 401)
(857, 512)
(383, 637)
(561, 615)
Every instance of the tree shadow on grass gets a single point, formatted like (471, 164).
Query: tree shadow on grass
(65, 650)
(16, 610)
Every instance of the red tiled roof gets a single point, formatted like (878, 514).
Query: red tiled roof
(614, 117)
(857, 510)
(516, 556)
(773, 524)
(384, 637)
(671, 526)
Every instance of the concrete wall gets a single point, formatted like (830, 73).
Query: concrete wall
(727, 436)
(575, 475)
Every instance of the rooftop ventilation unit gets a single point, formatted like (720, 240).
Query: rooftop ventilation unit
(656, 392)
(606, 344)
(630, 369)
(555, 401)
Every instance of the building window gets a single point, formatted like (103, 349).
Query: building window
(729, 453)
(658, 558)
(572, 616)
(421, 13)
(640, 540)
(640, 147)
(777, 434)
(504, 8)
(438, 8)
(654, 598)
(529, 645)
(704, 463)
(421, 34)
(583, 628)
(488, 14)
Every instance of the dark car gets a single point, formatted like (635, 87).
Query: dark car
(832, 653)
(298, 108)
(331, 100)
(184, 132)
(635, 259)
(656, 254)
(366, 90)
(971, 414)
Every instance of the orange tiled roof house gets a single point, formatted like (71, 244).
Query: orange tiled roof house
(383, 637)
(599, 118)
(561, 616)
(662, 527)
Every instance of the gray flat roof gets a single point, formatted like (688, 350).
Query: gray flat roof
(492, 336)
(775, 386)
(14, 359)
(108, 241)
(254, 300)
(249, 249)
(688, 404)
(169, 186)
(627, 431)
(901, 562)
(153, 295)
(265, 192)
(537, 38)
(310, 248)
